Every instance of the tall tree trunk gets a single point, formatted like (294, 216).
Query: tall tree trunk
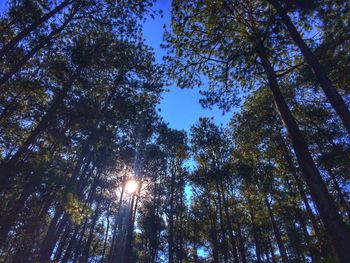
(221, 221)
(12, 106)
(49, 240)
(214, 239)
(62, 243)
(171, 220)
(113, 247)
(7, 221)
(70, 246)
(339, 191)
(91, 233)
(255, 232)
(335, 227)
(106, 237)
(8, 169)
(25, 32)
(126, 256)
(277, 232)
(229, 224)
(321, 75)
(35, 49)
(299, 184)
(333, 177)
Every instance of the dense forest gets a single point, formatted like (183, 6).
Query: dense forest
(91, 172)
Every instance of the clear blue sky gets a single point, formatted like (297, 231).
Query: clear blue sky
(179, 107)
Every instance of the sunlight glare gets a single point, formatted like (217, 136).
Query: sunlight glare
(131, 186)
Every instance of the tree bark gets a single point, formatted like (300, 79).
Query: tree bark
(321, 75)
(335, 227)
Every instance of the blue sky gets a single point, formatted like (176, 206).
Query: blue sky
(179, 107)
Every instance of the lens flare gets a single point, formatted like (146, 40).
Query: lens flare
(131, 186)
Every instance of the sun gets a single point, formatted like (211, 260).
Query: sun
(131, 186)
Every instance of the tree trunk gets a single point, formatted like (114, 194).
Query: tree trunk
(71, 245)
(221, 221)
(300, 187)
(321, 75)
(171, 220)
(7, 221)
(229, 225)
(255, 233)
(335, 227)
(277, 232)
(214, 239)
(106, 237)
(126, 256)
(113, 247)
(91, 233)
(20, 36)
(62, 243)
(34, 50)
(8, 168)
(50, 239)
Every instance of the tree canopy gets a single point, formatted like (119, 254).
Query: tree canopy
(91, 172)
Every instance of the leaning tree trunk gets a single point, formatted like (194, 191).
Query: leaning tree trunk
(277, 232)
(299, 184)
(330, 91)
(35, 49)
(20, 36)
(91, 232)
(7, 169)
(336, 229)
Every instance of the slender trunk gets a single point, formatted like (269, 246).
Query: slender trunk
(11, 106)
(48, 241)
(20, 36)
(77, 247)
(255, 233)
(272, 250)
(113, 247)
(229, 224)
(221, 221)
(8, 169)
(277, 232)
(62, 243)
(91, 233)
(337, 187)
(71, 245)
(171, 220)
(214, 239)
(7, 221)
(300, 187)
(106, 237)
(126, 256)
(302, 222)
(321, 75)
(34, 50)
(335, 227)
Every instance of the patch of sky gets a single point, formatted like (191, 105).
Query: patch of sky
(180, 108)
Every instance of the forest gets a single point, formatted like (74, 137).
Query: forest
(91, 172)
